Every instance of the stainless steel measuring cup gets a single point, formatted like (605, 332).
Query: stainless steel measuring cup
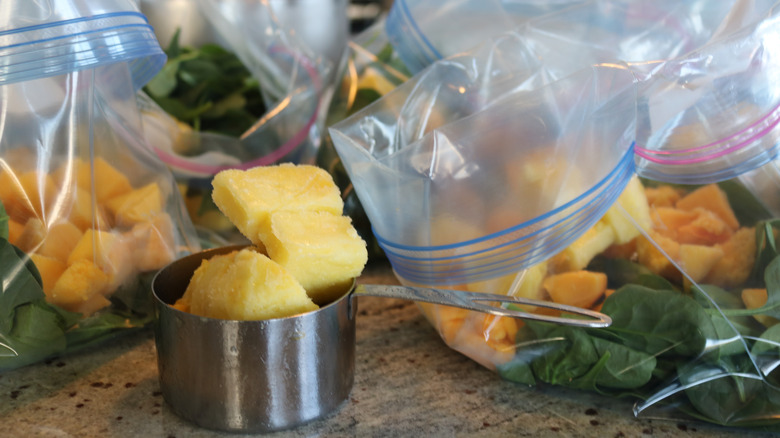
(263, 376)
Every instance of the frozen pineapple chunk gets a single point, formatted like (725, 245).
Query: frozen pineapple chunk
(153, 243)
(634, 202)
(248, 198)
(108, 181)
(321, 250)
(591, 243)
(244, 285)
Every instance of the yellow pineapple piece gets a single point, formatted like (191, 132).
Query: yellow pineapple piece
(634, 202)
(248, 198)
(591, 243)
(60, 240)
(654, 259)
(50, 269)
(323, 251)
(109, 251)
(80, 282)
(524, 284)
(697, 260)
(153, 243)
(244, 285)
(139, 205)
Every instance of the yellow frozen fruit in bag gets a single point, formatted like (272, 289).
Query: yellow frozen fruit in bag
(50, 269)
(249, 197)
(61, 238)
(138, 205)
(322, 251)
(244, 285)
(78, 284)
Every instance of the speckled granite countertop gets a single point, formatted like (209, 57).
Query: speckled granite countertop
(407, 383)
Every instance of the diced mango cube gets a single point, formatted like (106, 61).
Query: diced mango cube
(244, 285)
(579, 288)
(739, 255)
(153, 243)
(60, 240)
(50, 269)
(15, 230)
(80, 281)
(697, 260)
(32, 235)
(107, 250)
(662, 196)
(139, 205)
(754, 299)
(248, 198)
(25, 195)
(323, 251)
(659, 261)
(712, 198)
(706, 229)
(108, 181)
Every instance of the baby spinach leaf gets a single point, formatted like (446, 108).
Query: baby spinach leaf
(575, 357)
(3, 222)
(21, 283)
(656, 321)
(624, 368)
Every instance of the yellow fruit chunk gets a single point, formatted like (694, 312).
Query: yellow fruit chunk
(712, 198)
(248, 198)
(32, 235)
(706, 229)
(139, 205)
(667, 220)
(697, 260)
(86, 214)
(50, 269)
(107, 250)
(80, 281)
(154, 245)
(739, 254)
(321, 250)
(244, 285)
(14, 231)
(755, 298)
(26, 195)
(60, 240)
(655, 259)
(634, 201)
(92, 305)
(524, 284)
(579, 288)
(109, 182)
(577, 255)
(662, 196)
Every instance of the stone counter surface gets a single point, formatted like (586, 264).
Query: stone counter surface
(408, 383)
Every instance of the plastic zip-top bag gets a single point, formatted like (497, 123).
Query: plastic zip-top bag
(256, 95)
(565, 35)
(89, 214)
(468, 178)
(708, 153)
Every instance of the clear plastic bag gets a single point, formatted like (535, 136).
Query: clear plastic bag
(565, 35)
(684, 259)
(469, 179)
(370, 68)
(293, 82)
(88, 214)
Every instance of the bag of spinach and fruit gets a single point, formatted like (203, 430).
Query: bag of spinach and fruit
(253, 96)
(654, 201)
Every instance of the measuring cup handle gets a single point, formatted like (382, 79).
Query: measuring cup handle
(479, 302)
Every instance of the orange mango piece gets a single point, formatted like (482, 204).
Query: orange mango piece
(14, 231)
(706, 229)
(755, 298)
(577, 288)
(667, 220)
(662, 196)
(698, 260)
(60, 240)
(712, 198)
